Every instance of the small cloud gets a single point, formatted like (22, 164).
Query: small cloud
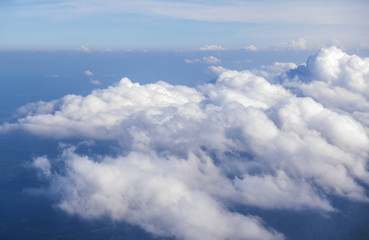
(212, 48)
(84, 49)
(196, 60)
(216, 69)
(211, 60)
(145, 50)
(299, 44)
(43, 164)
(108, 50)
(88, 73)
(95, 82)
(364, 45)
(251, 48)
(207, 60)
(53, 76)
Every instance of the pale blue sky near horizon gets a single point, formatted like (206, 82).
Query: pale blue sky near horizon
(177, 25)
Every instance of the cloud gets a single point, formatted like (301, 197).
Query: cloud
(108, 50)
(143, 189)
(335, 79)
(84, 49)
(42, 164)
(212, 48)
(364, 45)
(274, 72)
(251, 48)
(299, 44)
(53, 75)
(216, 69)
(269, 138)
(195, 60)
(211, 60)
(95, 82)
(207, 60)
(88, 73)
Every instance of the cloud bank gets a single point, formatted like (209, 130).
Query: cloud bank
(281, 137)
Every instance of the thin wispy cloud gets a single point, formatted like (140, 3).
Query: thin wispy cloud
(207, 60)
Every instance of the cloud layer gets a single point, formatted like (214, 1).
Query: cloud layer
(281, 137)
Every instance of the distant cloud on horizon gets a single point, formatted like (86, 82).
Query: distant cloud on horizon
(299, 44)
(212, 48)
(84, 49)
(207, 60)
(251, 48)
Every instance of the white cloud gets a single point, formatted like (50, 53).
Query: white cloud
(211, 60)
(195, 60)
(299, 44)
(335, 79)
(95, 82)
(88, 73)
(273, 72)
(207, 60)
(251, 48)
(212, 48)
(53, 75)
(143, 189)
(269, 138)
(364, 45)
(84, 49)
(216, 69)
(42, 164)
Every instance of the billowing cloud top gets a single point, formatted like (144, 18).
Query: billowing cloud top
(271, 138)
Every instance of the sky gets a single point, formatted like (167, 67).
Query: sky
(184, 120)
(169, 25)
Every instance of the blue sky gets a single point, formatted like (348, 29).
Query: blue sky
(120, 25)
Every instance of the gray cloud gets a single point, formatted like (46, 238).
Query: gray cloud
(187, 154)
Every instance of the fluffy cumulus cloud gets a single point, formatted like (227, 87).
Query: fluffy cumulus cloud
(335, 79)
(281, 137)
